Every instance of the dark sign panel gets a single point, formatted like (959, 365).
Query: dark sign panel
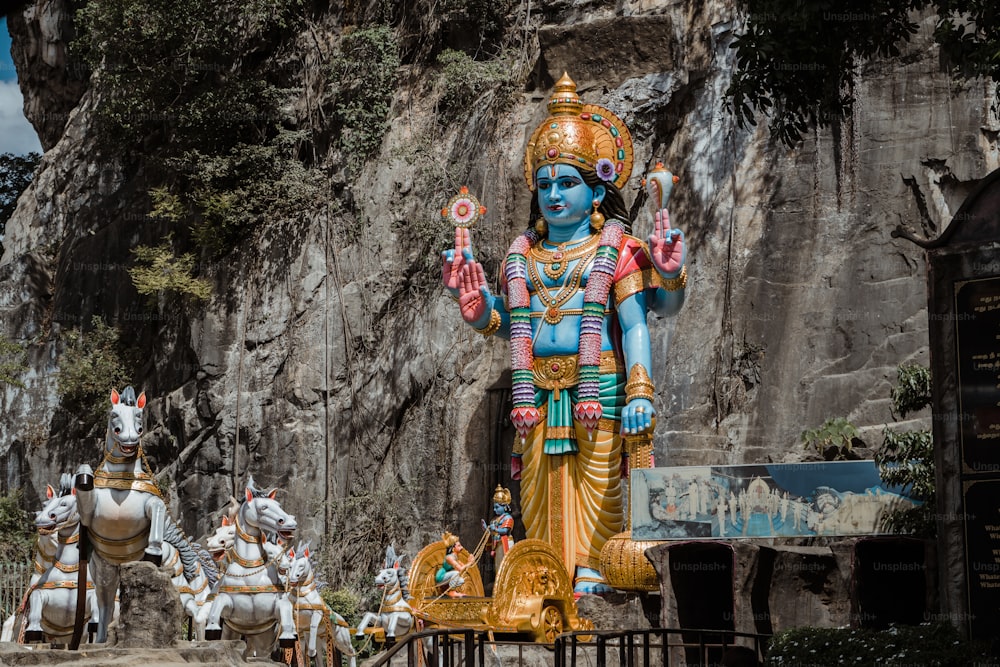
(977, 342)
(982, 553)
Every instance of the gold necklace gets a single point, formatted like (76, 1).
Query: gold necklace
(555, 261)
(567, 290)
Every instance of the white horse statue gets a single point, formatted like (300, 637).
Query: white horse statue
(313, 618)
(190, 577)
(395, 615)
(52, 597)
(120, 504)
(250, 597)
(222, 540)
(45, 554)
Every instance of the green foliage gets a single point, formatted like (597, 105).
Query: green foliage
(166, 206)
(362, 78)
(468, 81)
(899, 646)
(159, 271)
(12, 366)
(16, 172)
(91, 365)
(197, 85)
(796, 61)
(16, 540)
(834, 439)
(184, 71)
(228, 195)
(913, 389)
(906, 459)
(345, 602)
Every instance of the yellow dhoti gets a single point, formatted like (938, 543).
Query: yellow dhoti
(573, 500)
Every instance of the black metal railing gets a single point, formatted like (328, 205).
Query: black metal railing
(637, 648)
(625, 648)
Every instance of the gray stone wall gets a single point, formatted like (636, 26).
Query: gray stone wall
(328, 364)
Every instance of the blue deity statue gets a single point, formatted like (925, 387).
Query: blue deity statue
(577, 287)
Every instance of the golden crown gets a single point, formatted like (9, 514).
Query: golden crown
(449, 539)
(501, 495)
(584, 136)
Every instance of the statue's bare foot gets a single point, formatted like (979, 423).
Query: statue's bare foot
(590, 582)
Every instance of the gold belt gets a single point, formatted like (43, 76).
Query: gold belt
(562, 372)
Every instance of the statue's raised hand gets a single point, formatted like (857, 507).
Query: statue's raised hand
(666, 245)
(454, 259)
(474, 297)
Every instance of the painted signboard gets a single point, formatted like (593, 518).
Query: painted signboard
(838, 498)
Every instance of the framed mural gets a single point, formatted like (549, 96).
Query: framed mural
(837, 498)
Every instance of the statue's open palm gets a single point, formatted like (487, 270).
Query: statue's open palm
(666, 245)
(473, 293)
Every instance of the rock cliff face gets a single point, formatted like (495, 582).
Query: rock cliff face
(328, 363)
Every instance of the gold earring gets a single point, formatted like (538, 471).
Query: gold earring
(540, 226)
(596, 219)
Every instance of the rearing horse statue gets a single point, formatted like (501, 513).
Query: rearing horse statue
(120, 504)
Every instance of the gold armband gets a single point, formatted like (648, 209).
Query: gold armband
(680, 282)
(639, 385)
(493, 326)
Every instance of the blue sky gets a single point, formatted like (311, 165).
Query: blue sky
(16, 134)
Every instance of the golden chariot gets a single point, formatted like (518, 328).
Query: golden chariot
(533, 594)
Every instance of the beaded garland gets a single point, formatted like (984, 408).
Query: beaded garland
(588, 409)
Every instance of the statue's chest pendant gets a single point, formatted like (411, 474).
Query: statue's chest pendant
(553, 315)
(556, 269)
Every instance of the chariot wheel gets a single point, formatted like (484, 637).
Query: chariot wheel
(550, 625)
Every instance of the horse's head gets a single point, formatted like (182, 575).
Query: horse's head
(221, 540)
(394, 573)
(300, 566)
(263, 512)
(387, 577)
(125, 422)
(60, 509)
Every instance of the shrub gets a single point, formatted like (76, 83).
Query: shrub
(15, 529)
(939, 645)
(834, 439)
(362, 78)
(228, 195)
(90, 366)
(12, 366)
(344, 602)
(470, 83)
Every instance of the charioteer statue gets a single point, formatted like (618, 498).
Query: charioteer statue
(501, 527)
(577, 287)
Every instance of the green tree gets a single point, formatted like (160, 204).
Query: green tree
(906, 458)
(796, 62)
(16, 172)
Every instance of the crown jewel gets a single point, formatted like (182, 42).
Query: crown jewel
(585, 136)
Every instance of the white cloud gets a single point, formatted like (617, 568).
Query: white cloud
(16, 133)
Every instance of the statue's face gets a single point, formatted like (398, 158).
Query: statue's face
(498, 509)
(563, 196)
